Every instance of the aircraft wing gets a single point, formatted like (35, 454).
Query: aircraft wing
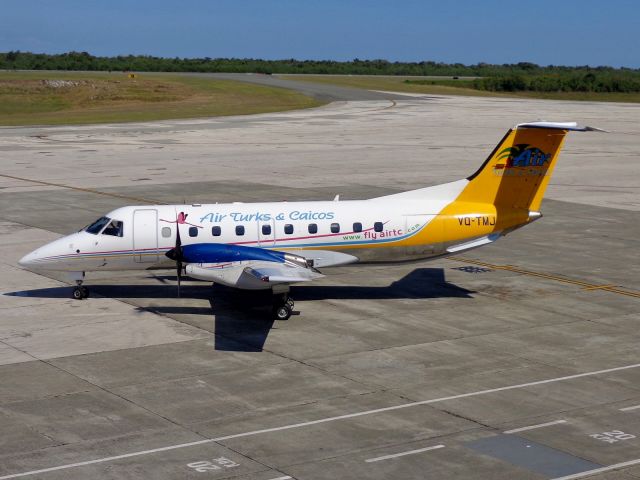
(254, 268)
(323, 258)
(252, 274)
(282, 273)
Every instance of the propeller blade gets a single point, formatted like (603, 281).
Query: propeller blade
(178, 240)
(179, 274)
(178, 254)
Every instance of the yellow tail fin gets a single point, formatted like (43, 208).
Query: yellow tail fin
(506, 191)
(516, 174)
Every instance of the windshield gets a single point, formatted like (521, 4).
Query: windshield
(98, 225)
(114, 229)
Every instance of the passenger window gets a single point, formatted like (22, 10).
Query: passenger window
(378, 226)
(357, 227)
(313, 228)
(288, 229)
(114, 229)
(266, 229)
(166, 232)
(193, 231)
(216, 231)
(239, 230)
(335, 228)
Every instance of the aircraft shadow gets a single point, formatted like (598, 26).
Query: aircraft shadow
(242, 323)
(120, 290)
(238, 327)
(242, 319)
(419, 283)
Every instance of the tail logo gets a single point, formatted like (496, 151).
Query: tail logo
(522, 155)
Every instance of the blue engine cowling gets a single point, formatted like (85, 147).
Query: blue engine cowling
(220, 252)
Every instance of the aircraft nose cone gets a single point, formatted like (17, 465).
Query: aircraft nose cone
(27, 260)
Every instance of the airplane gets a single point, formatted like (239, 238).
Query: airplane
(258, 246)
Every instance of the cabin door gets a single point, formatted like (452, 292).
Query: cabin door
(145, 235)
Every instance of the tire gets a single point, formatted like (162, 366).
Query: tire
(85, 292)
(282, 312)
(77, 294)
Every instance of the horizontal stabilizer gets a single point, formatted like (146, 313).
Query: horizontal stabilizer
(478, 242)
(572, 126)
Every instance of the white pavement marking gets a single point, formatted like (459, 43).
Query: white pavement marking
(533, 427)
(106, 459)
(402, 454)
(281, 478)
(404, 94)
(627, 409)
(595, 471)
(322, 420)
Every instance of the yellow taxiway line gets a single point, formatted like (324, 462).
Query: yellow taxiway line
(548, 276)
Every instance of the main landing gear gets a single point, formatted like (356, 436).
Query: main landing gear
(282, 306)
(79, 292)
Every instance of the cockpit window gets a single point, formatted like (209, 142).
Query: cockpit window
(114, 229)
(97, 226)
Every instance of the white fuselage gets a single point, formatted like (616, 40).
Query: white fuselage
(146, 233)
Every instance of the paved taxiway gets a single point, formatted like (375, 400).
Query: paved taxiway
(488, 366)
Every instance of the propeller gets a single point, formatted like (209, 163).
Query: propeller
(176, 252)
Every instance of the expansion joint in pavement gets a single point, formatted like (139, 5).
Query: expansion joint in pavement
(86, 190)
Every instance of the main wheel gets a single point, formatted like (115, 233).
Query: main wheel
(85, 292)
(282, 312)
(77, 293)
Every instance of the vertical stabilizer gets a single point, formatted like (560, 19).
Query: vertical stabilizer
(516, 174)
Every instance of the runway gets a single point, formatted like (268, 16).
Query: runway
(517, 360)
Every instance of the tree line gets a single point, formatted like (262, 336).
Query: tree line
(600, 82)
(506, 77)
(571, 81)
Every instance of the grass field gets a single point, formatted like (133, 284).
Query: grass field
(53, 98)
(446, 86)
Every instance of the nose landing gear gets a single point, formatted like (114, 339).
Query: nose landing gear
(79, 292)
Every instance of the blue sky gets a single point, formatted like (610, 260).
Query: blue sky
(569, 32)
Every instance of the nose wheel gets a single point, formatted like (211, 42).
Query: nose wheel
(80, 292)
